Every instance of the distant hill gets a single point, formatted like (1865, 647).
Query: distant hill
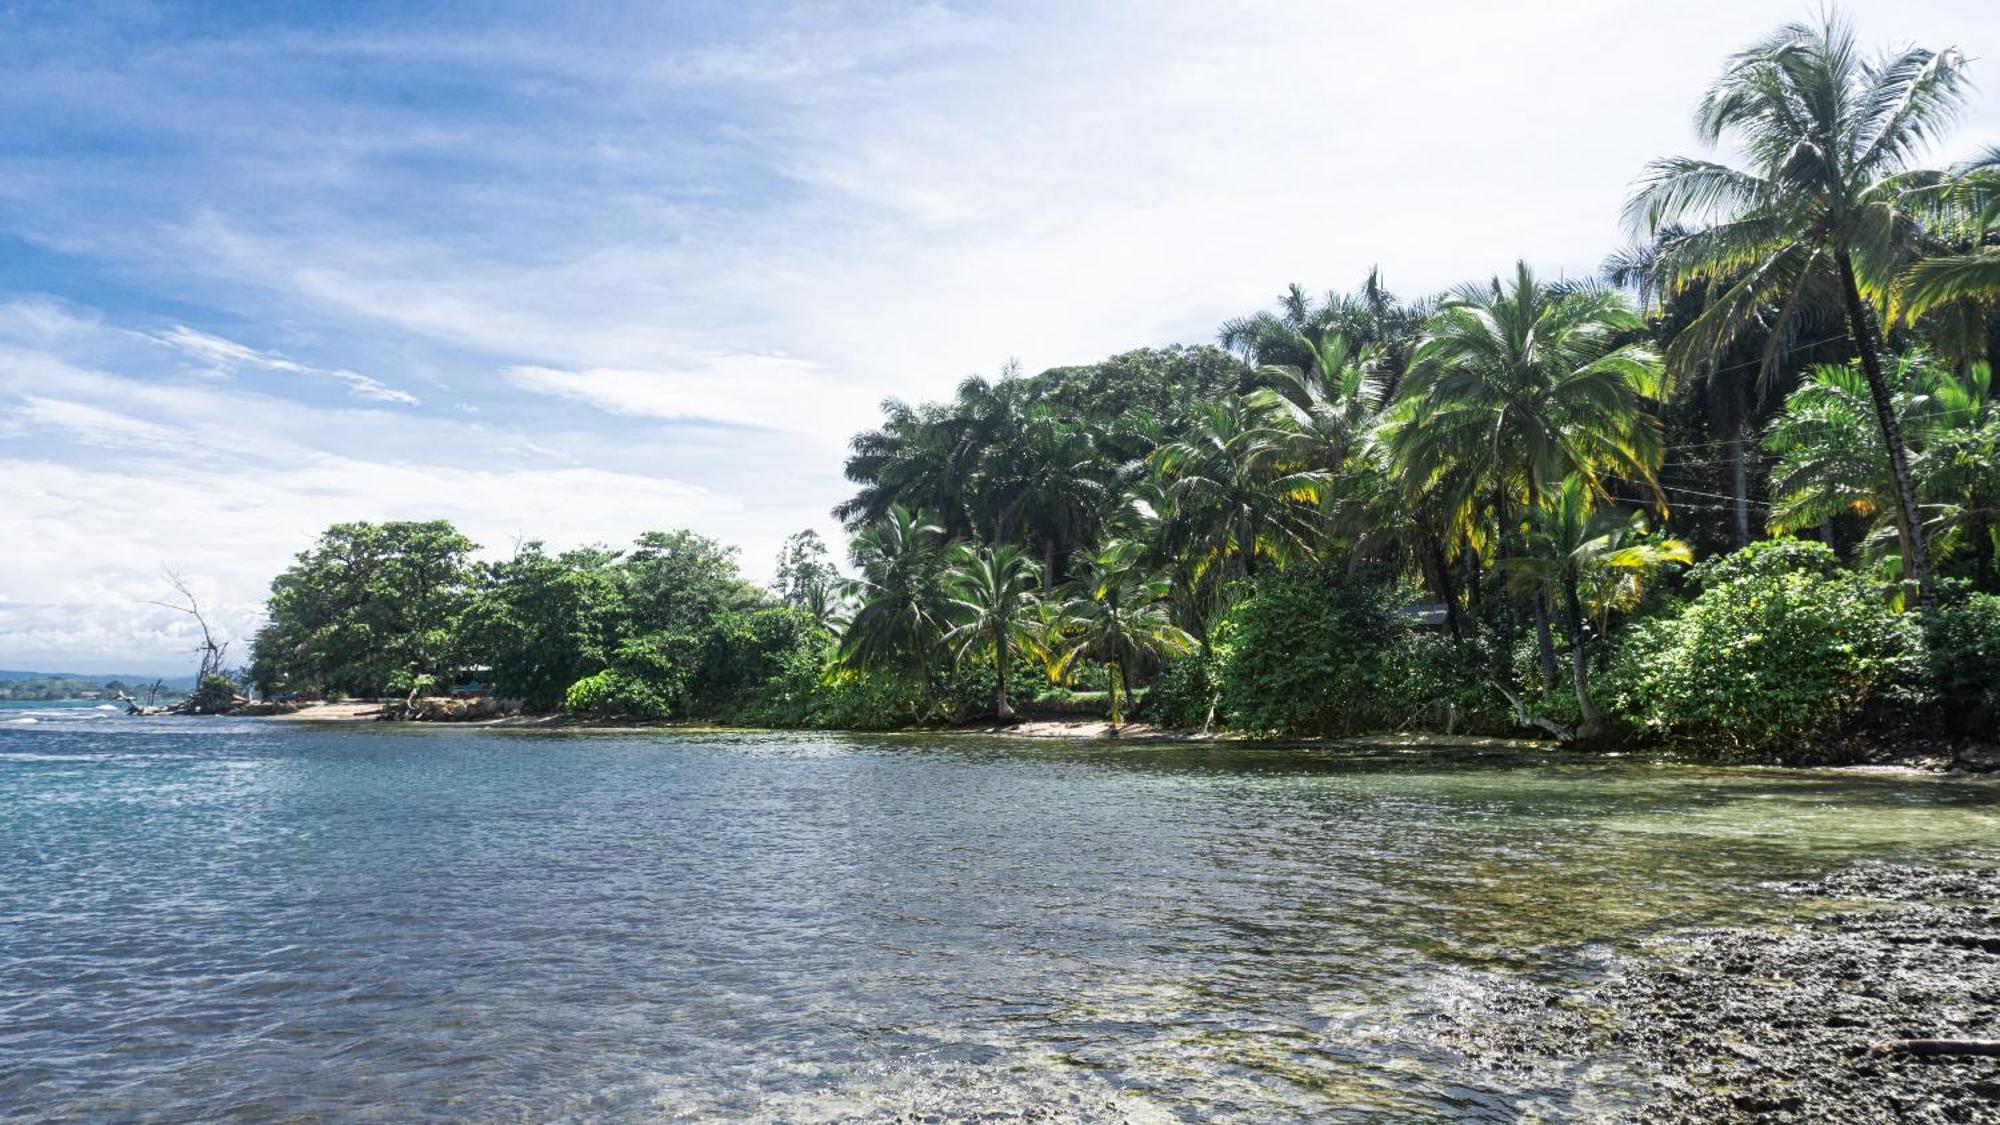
(96, 680)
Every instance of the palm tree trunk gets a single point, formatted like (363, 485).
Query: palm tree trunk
(1909, 519)
(1112, 676)
(1470, 555)
(1589, 723)
(1739, 480)
(1979, 533)
(1001, 711)
(1504, 609)
(1545, 643)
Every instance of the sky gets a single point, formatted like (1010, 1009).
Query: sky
(574, 272)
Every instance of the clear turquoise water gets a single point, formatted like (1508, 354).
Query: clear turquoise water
(246, 919)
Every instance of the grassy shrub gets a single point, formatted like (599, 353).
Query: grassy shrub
(1964, 660)
(1781, 648)
(1313, 656)
(616, 693)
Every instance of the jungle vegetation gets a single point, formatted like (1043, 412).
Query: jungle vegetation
(1738, 490)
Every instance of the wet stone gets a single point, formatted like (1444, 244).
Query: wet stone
(1757, 1025)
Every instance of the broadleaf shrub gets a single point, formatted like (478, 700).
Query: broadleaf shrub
(615, 693)
(1185, 692)
(1964, 638)
(1313, 655)
(1781, 648)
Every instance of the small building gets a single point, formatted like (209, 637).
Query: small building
(1426, 615)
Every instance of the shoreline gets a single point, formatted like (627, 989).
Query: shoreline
(1881, 756)
(1043, 729)
(1786, 1023)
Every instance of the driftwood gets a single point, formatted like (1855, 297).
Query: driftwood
(1521, 716)
(1989, 1048)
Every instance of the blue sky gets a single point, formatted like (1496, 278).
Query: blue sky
(577, 271)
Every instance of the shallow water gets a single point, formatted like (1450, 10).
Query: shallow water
(244, 918)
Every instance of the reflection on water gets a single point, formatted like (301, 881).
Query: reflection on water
(221, 917)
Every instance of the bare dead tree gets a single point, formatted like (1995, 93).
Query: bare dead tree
(210, 650)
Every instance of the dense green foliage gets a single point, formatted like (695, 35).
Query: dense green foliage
(366, 606)
(1355, 512)
(617, 693)
(1781, 646)
(1965, 660)
(1310, 655)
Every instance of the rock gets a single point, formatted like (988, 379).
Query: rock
(1776, 1025)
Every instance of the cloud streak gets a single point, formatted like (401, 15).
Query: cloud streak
(225, 355)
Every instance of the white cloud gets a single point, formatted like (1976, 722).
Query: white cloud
(229, 531)
(96, 426)
(746, 390)
(228, 356)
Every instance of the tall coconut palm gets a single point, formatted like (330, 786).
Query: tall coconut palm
(900, 622)
(1120, 618)
(992, 597)
(1516, 387)
(1325, 409)
(1824, 211)
(1575, 546)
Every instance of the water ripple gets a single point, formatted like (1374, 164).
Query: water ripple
(244, 920)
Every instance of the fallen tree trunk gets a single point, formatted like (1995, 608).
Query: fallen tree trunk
(1989, 1048)
(1521, 716)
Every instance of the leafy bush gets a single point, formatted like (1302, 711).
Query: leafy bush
(787, 696)
(661, 663)
(857, 699)
(741, 652)
(1964, 639)
(616, 693)
(1768, 558)
(212, 694)
(1185, 693)
(1443, 684)
(1311, 655)
(1779, 649)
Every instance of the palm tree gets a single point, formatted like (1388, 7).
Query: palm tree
(1120, 618)
(1295, 335)
(901, 619)
(1577, 547)
(992, 599)
(1824, 211)
(1232, 491)
(1327, 407)
(1830, 462)
(1968, 214)
(1515, 388)
(1063, 485)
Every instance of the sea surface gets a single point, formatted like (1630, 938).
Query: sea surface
(208, 919)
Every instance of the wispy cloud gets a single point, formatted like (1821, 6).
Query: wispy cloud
(229, 356)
